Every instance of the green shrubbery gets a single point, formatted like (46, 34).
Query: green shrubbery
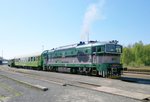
(136, 55)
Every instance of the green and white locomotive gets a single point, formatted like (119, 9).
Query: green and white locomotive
(92, 58)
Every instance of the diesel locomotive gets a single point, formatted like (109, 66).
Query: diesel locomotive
(91, 58)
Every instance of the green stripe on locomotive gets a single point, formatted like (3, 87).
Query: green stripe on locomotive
(69, 52)
(72, 65)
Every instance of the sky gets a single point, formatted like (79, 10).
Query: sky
(29, 26)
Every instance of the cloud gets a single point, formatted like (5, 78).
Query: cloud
(94, 12)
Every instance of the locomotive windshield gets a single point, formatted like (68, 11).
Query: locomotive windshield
(113, 48)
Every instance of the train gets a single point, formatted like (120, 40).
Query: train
(90, 58)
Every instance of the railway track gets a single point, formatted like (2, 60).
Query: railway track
(137, 72)
(61, 81)
(81, 84)
(137, 75)
(53, 80)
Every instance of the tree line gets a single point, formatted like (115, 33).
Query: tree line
(137, 54)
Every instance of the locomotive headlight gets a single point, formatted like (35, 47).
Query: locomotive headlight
(114, 68)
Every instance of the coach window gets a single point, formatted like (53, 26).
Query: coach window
(86, 51)
(71, 52)
(37, 58)
(60, 54)
(94, 49)
(99, 49)
(28, 59)
(65, 53)
(19, 60)
(103, 48)
(33, 58)
(24, 59)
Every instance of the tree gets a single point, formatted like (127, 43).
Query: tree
(136, 55)
(138, 52)
(126, 56)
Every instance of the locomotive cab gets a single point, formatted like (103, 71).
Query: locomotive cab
(106, 57)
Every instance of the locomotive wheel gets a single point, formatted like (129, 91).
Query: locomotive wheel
(80, 71)
(73, 71)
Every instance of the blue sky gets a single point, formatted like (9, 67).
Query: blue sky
(26, 25)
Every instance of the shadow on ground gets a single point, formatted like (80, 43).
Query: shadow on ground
(136, 80)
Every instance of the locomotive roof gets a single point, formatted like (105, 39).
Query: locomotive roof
(81, 46)
(92, 44)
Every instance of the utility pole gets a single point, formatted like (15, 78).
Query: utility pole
(42, 48)
(2, 54)
(88, 37)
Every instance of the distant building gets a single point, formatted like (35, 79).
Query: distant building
(1, 60)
